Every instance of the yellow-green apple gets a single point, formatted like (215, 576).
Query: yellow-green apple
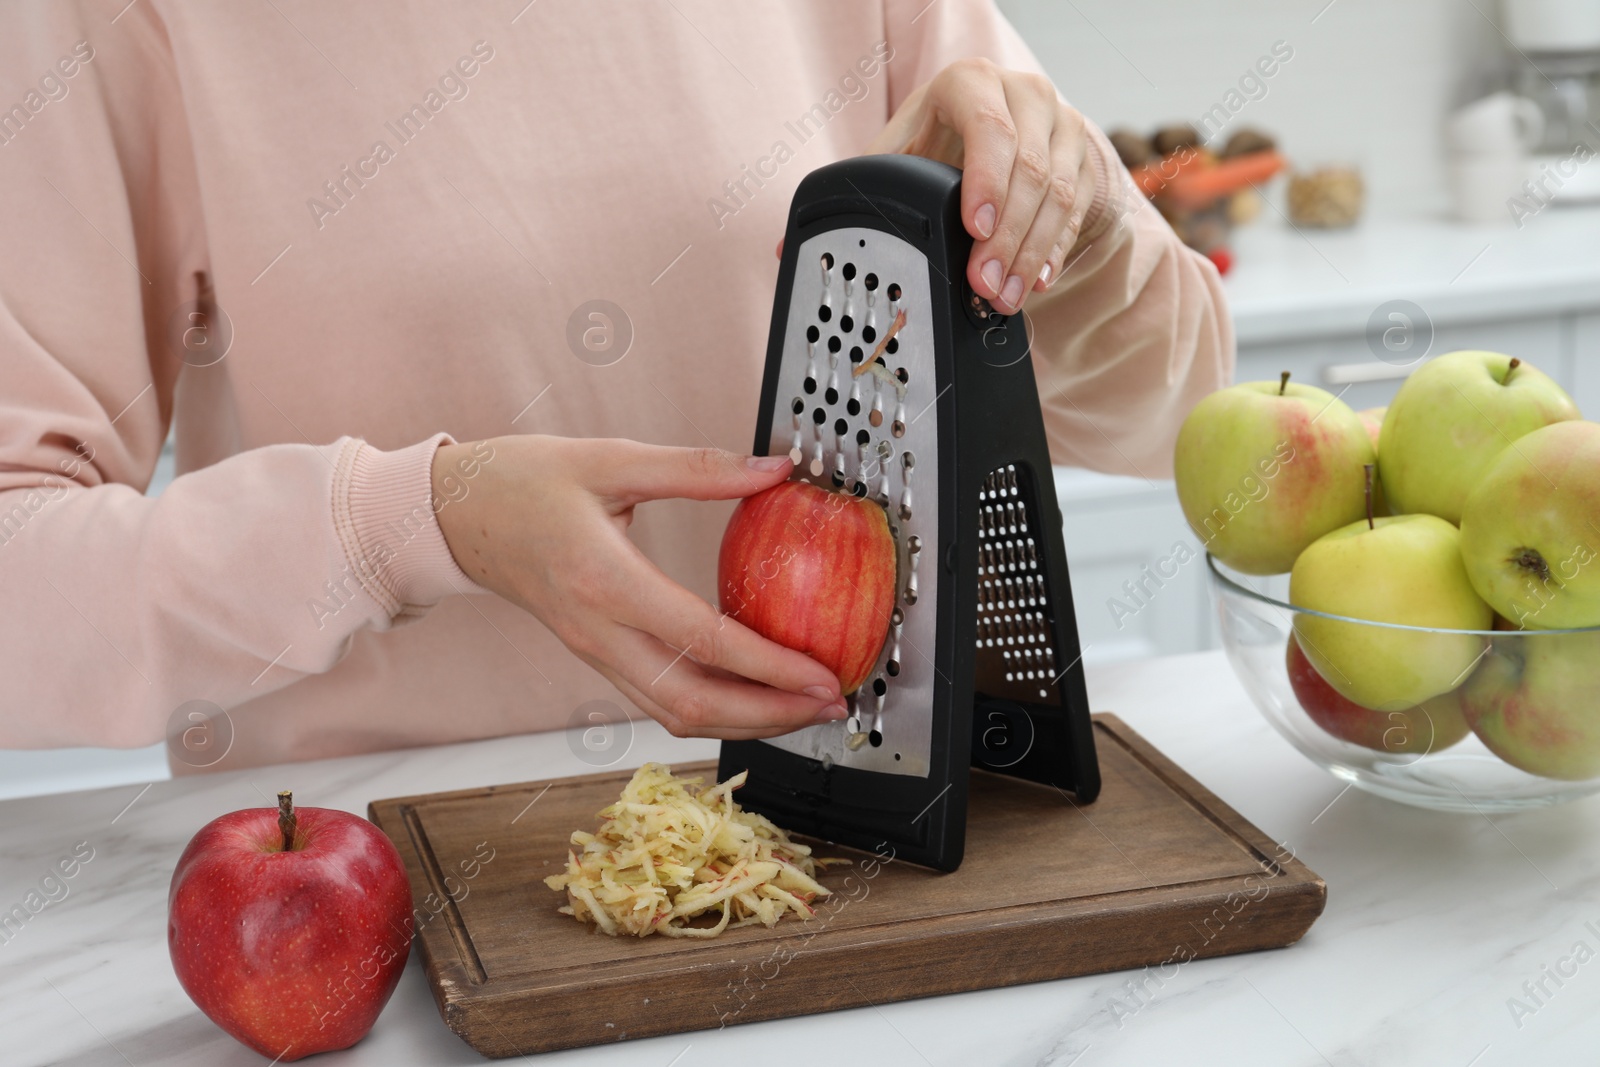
(1402, 569)
(289, 928)
(1530, 531)
(814, 571)
(1265, 468)
(1532, 703)
(1433, 725)
(1452, 418)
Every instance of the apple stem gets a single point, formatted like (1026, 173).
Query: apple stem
(286, 819)
(1513, 365)
(1283, 383)
(1369, 468)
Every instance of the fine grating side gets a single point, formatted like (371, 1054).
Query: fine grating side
(1016, 640)
(872, 434)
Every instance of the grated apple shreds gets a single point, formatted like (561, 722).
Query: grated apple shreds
(670, 850)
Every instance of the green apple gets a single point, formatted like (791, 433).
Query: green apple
(1530, 532)
(1450, 421)
(1401, 569)
(1265, 468)
(1532, 703)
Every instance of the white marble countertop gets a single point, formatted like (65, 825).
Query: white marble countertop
(1290, 283)
(1433, 923)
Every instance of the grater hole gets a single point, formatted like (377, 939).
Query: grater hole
(827, 261)
(879, 687)
(859, 488)
(819, 416)
(894, 291)
(893, 667)
(868, 334)
(898, 428)
(875, 738)
(856, 355)
(812, 333)
(824, 313)
(862, 436)
(853, 406)
(901, 375)
(849, 271)
(810, 386)
(840, 427)
(892, 347)
(846, 323)
(799, 406)
(871, 282)
(831, 395)
(834, 344)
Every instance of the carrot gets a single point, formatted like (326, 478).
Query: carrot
(1156, 175)
(1196, 188)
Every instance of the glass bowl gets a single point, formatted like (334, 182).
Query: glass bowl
(1531, 695)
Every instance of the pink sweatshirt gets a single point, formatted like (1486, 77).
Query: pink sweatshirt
(398, 210)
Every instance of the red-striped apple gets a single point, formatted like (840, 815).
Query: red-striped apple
(1530, 532)
(1265, 468)
(814, 571)
(1532, 703)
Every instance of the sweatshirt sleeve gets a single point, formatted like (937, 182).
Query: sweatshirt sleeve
(1135, 330)
(243, 576)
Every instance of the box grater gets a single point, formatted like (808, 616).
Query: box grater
(889, 378)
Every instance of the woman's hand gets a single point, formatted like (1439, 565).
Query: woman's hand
(1027, 182)
(544, 525)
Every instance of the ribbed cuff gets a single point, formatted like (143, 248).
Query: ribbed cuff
(1112, 187)
(383, 510)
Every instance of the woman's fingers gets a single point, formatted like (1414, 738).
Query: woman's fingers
(631, 472)
(1003, 267)
(969, 98)
(1055, 225)
(1065, 239)
(699, 704)
(660, 607)
(1026, 184)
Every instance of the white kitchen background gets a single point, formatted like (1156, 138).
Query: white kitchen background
(1368, 84)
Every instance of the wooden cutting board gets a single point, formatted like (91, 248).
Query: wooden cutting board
(1155, 872)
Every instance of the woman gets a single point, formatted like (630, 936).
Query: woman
(353, 257)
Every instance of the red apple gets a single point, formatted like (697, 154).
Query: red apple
(290, 928)
(813, 571)
(1429, 727)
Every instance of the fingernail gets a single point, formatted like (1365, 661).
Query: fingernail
(985, 220)
(1044, 275)
(833, 713)
(1011, 296)
(821, 692)
(991, 276)
(766, 464)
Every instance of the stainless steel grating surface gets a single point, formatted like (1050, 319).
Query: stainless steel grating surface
(871, 433)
